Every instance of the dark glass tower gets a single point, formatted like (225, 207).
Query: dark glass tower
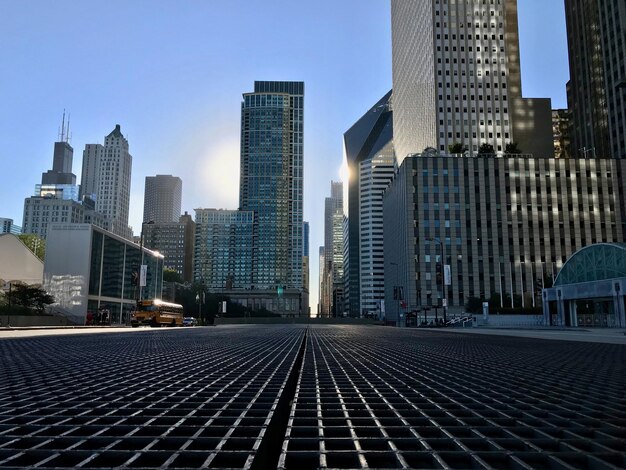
(271, 182)
(370, 136)
(596, 37)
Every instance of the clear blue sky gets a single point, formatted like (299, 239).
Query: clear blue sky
(172, 74)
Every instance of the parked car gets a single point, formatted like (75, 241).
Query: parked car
(190, 321)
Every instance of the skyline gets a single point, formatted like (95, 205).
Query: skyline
(181, 112)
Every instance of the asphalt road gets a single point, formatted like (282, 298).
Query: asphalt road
(317, 397)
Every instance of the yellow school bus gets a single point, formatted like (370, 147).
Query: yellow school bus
(156, 312)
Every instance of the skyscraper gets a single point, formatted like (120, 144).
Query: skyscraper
(162, 199)
(456, 79)
(596, 37)
(332, 300)
(56, 199)
(369, 151)
(272, 180)
(106, 177)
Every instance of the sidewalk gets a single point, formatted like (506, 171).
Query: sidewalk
(590, 335)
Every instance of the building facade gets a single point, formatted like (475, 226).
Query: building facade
(332, 299)
(596, 37)
(369, 152)
(561, 133)
(456, 79)
(87, 269)
(224, 249)
(162, 199)
(106, 177)
(271, 180)
(175, 241)
(7, 226)
(500, 224)
(56, 199)
(375, 174)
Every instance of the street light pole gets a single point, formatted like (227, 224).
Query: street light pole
(397, 293)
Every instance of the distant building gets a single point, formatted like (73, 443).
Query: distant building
(596, 92)
(370, 157)
(305, 267)
(175, 241)
(332, 297)
(57, 198)
(224, 249)
(456, 79)
(106, 177)
(162, 199)
(88, 269)
(500, 224)
(7, 226)
(561, 133)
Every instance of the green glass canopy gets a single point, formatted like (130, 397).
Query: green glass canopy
(596, 262)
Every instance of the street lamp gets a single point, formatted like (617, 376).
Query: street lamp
(141, 251)
(443, 276)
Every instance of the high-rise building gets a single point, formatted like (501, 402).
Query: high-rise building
(224, 249)
(369, 152)
(162, 199)
(305, 268)
(175, 241)
(321, 284)
(500, 224)
(332, 298)
(596, 36)
(106, 177)
(271, 181)
(561, 133)
(56, 199)
(456, 79)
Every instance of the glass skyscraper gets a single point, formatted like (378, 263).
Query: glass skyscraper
(271, 181)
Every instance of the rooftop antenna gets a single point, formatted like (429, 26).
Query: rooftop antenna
(68, 137)
(62, 131)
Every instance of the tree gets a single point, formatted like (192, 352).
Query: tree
(457, 147)
(28, 296)
(486, 149)
(35, 244)
(512, 149)
(171, 275)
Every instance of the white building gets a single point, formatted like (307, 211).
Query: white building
(17, 262)
(106, 177)
(374, 177)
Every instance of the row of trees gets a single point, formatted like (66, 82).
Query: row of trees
(25, 299)
(485, 149)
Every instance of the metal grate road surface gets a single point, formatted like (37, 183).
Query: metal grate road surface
(300, 398)
(158, 399)
(389, 398)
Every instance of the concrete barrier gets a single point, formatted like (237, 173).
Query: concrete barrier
(34, 320)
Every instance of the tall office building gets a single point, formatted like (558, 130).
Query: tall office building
(321, 284)
(271, 180)
(369, 151)
(175, 241)
(56, 199)
(332, 299)
(162, 199)
(596, 36)
(106, 177)
(456, 79)
(499, 223)
(561, 133)
(224, 249)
